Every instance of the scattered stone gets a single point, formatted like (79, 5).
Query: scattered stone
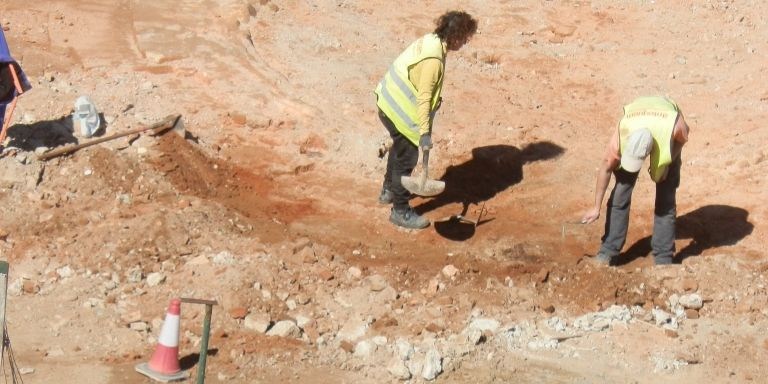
(380, 340)
(134, 275)
(432, 365)
(30, 287)
(139, 326)
(485, 325)
(664, 319)
(432, 288)
(198, 260)
(670, 333)
(691, 314)
(376, 283)
(354, 272)
(599, 321)
(325, 274)
(542, 275)
(131, 317)
(692, 301)
(539, 344)
(26, 370)
(347, 346)
(224, 258)
(450, 271)
(257, 322)
(285, 328)
(352, 330)
(474, 336)
(398, 369)
(689, 285)
(238, 312)
(55, 352)
(303, 321)
(155, 278)
(64, 271)
(364, 349)
(405, 349)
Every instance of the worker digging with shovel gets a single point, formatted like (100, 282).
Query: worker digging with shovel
(407, 98)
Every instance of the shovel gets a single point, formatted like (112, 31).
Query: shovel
(172, 122)
(422, 185)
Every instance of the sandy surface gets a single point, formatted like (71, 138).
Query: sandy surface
(274, 188)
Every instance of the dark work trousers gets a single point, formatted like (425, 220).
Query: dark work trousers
(617, 220)
(401, 160)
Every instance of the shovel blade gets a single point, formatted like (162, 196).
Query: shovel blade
(421, 187)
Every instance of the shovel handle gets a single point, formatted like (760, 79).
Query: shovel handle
(424, 166)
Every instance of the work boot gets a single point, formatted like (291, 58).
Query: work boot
(408, 218)
(386, 196)
(601, 259)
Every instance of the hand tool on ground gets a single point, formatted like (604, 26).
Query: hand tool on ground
(422, 185)
(172, 122)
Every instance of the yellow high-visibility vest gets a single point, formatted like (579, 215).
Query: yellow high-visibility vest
(658, 115)
(396, 95)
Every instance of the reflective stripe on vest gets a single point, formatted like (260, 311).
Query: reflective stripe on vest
(397, 97)
(385, 93)
(658, 115)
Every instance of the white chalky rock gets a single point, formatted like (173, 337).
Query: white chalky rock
(397, 368)
(354, 272)
(692, 301)
(474, 336)
(64, 271)
(303, 321)
(364, 349)
(285, 328)
(432, 365)
(257, 322)
(223, 258)
(450, 271)
(155, 279)
(404, 349)
(485, 324)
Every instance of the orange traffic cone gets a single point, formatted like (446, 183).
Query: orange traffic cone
(164, 365)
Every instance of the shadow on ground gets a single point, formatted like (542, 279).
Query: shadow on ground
(491, 170)
(47, 134)
(189, 361)
(708, 227)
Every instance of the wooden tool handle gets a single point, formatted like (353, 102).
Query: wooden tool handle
(166, 123)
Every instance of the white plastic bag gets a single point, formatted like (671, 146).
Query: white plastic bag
(87, 116)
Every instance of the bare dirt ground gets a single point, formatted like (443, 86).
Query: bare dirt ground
(269, 205)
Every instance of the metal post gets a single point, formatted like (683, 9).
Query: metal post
(206, 333)
(204, 345)
(3, 296)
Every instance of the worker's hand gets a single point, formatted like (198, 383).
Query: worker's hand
(591, 215)
(425, 141)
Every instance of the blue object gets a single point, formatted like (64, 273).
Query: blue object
(6, 58)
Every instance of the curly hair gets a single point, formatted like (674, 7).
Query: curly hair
(455, 25)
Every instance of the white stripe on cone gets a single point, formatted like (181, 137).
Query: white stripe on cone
(169, 334)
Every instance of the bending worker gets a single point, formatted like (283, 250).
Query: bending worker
(408, 97)
(13, 82)
(651, 126)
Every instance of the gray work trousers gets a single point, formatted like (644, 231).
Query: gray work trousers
(402, 158)
(617, 220)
